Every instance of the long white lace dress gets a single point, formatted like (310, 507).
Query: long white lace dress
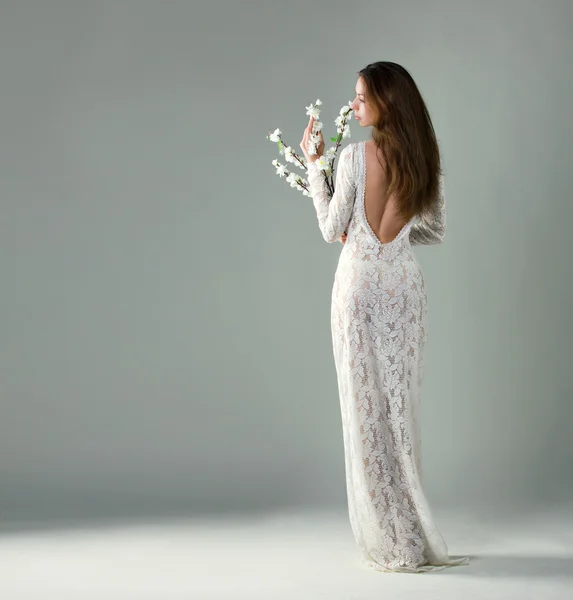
(378, 320)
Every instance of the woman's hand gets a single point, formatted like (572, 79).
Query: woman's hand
(343, 238)
(304, 143)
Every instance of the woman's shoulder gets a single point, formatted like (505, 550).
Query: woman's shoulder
(349, 151)
(353, 150)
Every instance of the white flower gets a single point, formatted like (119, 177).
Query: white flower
(274, 136)
(281, 170)
(323, 164)
(312, 111)
(292, 179)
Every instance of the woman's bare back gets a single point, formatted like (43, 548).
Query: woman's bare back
(381, 211)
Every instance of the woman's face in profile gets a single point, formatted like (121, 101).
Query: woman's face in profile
(363, 111)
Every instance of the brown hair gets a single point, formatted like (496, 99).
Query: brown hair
(403, 131)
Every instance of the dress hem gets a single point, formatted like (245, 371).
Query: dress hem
(371, 564)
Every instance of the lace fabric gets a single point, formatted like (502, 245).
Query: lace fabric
(378, 323)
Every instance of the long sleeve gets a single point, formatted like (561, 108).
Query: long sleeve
(431, 226)
(333, 213)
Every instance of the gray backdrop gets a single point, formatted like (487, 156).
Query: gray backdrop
(165, 334)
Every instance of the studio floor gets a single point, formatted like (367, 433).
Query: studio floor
(527, 555)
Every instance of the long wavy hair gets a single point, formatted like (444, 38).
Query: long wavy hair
(404, 133)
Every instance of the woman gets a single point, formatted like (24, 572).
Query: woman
(388, 197)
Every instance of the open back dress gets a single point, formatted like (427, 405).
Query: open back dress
(378, 321)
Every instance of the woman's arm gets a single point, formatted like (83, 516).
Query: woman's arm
(431, 226)
(333, 213)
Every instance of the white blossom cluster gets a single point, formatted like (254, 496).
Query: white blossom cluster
(325, 162)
